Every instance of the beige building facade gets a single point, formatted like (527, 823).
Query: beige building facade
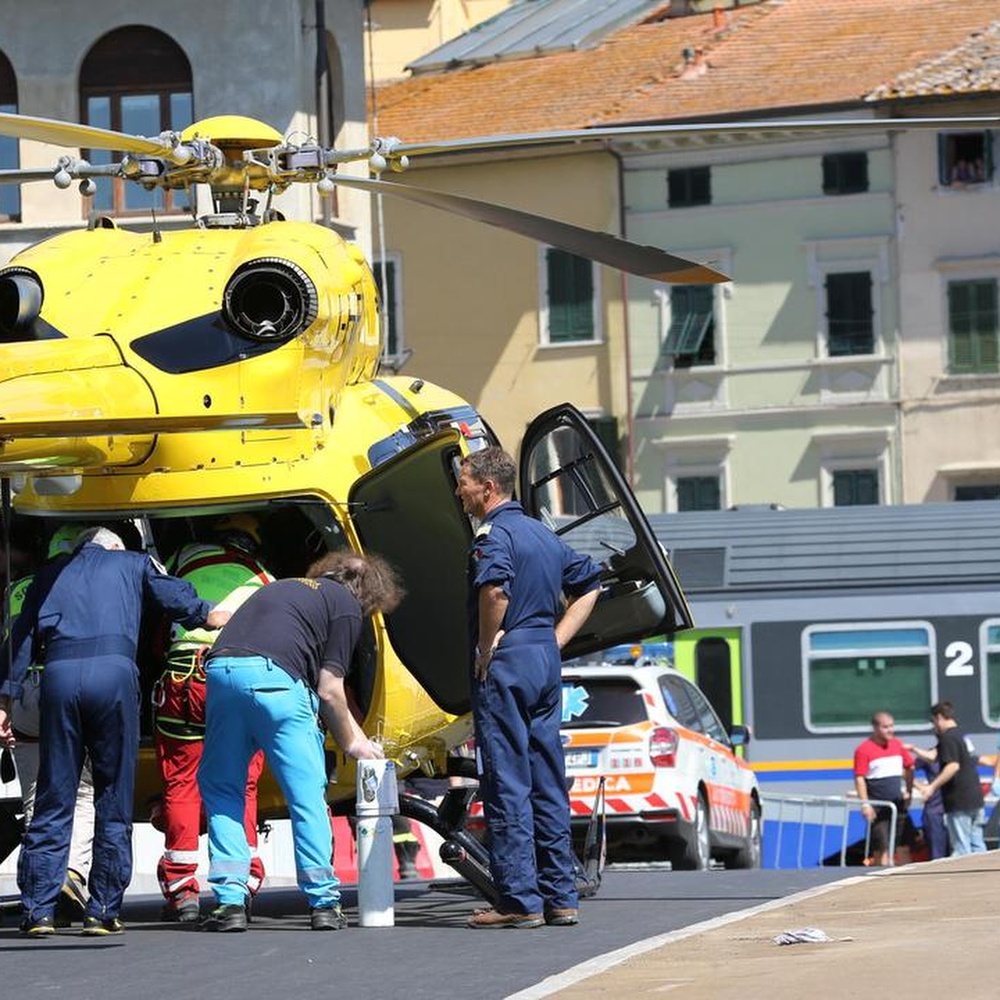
(948, 247)
(296, 66)
(401, 30)
(473, 302)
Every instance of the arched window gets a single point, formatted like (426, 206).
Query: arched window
(10, 194)
(135, 80)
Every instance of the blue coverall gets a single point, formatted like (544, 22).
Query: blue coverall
(518, 707)
(82, 616)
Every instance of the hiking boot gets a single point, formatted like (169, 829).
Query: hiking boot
(102, 926)
(494, 918)
(71, 904)
(182, 910)
(38, 927)
(406, 859)
(327, 918)
(226, 919)
(562, 916)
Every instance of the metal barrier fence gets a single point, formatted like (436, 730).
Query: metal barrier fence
(800, 812)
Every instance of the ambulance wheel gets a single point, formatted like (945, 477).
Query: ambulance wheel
(694, 853)
(749, 855)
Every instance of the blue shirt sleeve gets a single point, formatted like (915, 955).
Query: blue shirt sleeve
(492, 558)
(580, 573)
(176, 597)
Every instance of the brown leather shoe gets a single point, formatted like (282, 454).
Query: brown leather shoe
(562, 916)
(494, 918)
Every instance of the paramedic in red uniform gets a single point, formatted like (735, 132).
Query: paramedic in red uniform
(225, 573)
(519, 570)
(881, 767)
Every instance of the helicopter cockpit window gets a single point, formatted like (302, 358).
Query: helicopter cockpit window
(573, 495)
(135, 80)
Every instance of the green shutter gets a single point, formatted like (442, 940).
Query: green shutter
(570, 296)
(972, 326)
(692, 310)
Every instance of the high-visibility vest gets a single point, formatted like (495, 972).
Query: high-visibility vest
(222, 576)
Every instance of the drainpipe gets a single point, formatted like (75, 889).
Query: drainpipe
(324, 103)
(629, 419)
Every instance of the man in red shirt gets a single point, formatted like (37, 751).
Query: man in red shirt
(882, 765)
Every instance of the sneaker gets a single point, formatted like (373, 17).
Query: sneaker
(182, 910)
(487, 919)
(71, 905)
(562, 916)
(327, 918)
(102, 926)
(226, 919)
(38, 927)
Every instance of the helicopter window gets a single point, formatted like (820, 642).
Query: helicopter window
(569, 313)
(135, 80)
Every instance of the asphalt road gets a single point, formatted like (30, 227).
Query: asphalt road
(429, 953)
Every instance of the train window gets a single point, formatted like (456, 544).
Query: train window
(853, 670)
(991, 670)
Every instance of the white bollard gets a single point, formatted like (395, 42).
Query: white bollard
(377, 803)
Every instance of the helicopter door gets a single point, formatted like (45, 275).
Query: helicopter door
(569, 481)
(406, 510)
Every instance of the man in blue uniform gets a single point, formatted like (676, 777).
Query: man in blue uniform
(518, 573)
(81, 618)
(281, 659)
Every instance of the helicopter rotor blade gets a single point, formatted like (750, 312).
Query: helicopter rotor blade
(649, 262)
(749, 128)
(81, 136)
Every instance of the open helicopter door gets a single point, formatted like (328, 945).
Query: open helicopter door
(406, 510)
(568, 480)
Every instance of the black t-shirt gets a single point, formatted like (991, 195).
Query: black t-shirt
(963, 793)
(302, 625)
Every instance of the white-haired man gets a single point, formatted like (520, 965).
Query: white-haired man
(81, 618)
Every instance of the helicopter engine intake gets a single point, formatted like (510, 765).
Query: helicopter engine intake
(270, 299)
(20, 303)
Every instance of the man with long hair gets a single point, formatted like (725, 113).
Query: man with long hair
(283, 658)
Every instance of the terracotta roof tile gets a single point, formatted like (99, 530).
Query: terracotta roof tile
(972, 67)
(779, 54)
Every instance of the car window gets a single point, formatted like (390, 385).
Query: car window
(601, 701)
(678, 702)
(709, 721)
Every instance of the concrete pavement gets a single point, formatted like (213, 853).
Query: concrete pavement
(926, 930)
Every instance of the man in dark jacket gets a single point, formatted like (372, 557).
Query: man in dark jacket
(958, 780)
(81, 618)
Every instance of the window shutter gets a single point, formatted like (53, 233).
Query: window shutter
(692, 309)
(570, 296)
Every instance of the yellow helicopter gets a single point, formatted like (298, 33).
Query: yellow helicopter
(163, 379)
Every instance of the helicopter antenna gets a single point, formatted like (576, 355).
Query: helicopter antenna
(157, 235)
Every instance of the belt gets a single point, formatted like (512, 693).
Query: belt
(528, 635)
(101, 645)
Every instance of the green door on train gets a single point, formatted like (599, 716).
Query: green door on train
(712, 658)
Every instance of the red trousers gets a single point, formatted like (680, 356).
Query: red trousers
(183, 819)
